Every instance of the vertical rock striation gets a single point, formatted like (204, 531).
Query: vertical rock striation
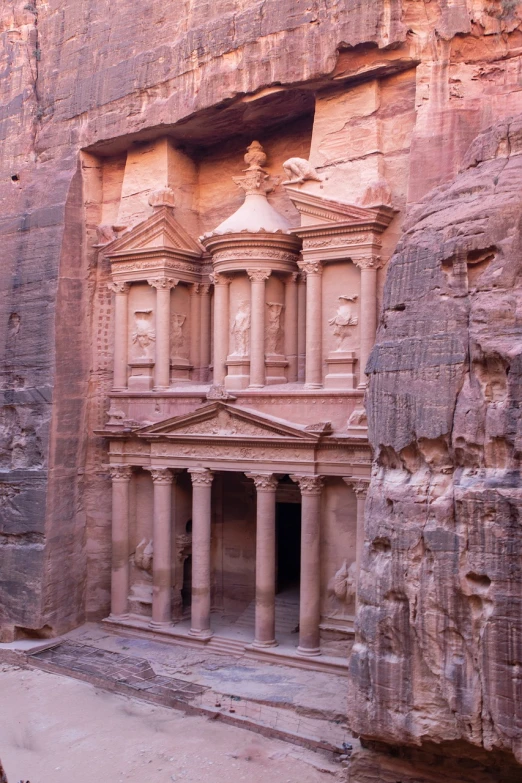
(439, 642)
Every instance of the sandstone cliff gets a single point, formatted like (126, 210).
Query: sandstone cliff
(440, 618)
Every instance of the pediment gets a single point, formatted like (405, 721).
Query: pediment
(161, 231)
(328, 211)
(221, 420)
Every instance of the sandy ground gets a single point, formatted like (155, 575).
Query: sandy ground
(58, 730)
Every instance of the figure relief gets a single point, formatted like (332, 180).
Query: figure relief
(298, 170)
(143, 555)
(344, 318)
(342, 588)
(274, 332)
(177, 336)
(241, 329)
(143, 336)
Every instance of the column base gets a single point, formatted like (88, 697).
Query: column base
(160, 388)
(117, 618)
(313, 385)
(196, 634)
(163, 626)
(264, 645)
(309, 652)
(256, 386)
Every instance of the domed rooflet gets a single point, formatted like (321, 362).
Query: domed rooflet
(255, 214)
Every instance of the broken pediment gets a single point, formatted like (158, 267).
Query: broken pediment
(318, 210)
(160, 232)
(222, 420)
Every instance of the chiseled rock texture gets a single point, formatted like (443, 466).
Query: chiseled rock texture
(439, 646)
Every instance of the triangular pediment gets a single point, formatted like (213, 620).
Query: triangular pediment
(222, 420)
(328, 211)
(160, 231)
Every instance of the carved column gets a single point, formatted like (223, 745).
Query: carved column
(310, 585)
(221, 327)
(313, 362)
(201, 523)
(301, 326)
(195, 326)
(291, 325)
(258, 278)
(162, 546)
(368, 312)
(266, 485)
(163, 286)
(121, 476)
(121, 334)
(360, 487)
(204, 332)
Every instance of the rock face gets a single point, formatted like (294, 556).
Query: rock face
(440, 617)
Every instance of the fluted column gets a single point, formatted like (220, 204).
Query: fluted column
(360, 487)
(163, 286)
(310, 583)
(204, 332)
(314, 360)
(121, 476)
(121, 334)
(368, 311)
(301, 326)
(201, 526)
(266, 486)
(195, 326)
(291, 325)
(258, 278)
(162, 548)
(221, 327)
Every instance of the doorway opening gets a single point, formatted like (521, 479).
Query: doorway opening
(186, 590)
(288, 543)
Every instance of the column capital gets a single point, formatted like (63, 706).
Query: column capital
(368, 262)
(204, 289)
(218, 278)
(120, 472)
(309, 485)
(292, 278)
(163, 283)
(359, 485)
(162, 475)
(201, 477)
(195, 288)
(118, 288)
(310, 267)
(264, 482)
(258, 275)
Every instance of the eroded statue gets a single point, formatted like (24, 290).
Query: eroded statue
(273, 328)
(143, 336)
(143, 556)
(177, 337)
(241, 329)
(298, 170)
(342, 588)
(344, 318)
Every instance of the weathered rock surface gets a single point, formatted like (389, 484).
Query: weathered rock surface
(439, 641)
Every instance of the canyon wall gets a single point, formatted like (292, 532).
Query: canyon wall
(436, 662)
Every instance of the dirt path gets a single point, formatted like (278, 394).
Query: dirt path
(58, 730)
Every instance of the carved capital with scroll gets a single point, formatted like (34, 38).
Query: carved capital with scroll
(161, 475)
(120, 472)
(309, 485)
(359, 485)
(201, 477)
(264, 482)
(119, 288)
(310, 267)
(368, 262)
(218, 278)
(163, 283)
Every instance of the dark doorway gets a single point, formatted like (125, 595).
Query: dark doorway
(186, 590)
(288, 542)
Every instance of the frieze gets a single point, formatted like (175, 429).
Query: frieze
(260, 252)
(137, 266)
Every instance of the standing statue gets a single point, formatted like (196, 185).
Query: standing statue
(342, 320)
(241, 328)
(298, 170)
(342, 587)
(144, 555)
(177, 338)
(143, 335)
(273, 328)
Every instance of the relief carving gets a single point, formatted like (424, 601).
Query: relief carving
(342, 588)
(143, 335)
(178, 345)
(274, 331)
(241, 329)
(344, 318)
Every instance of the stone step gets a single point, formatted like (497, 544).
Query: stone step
(222, 644)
